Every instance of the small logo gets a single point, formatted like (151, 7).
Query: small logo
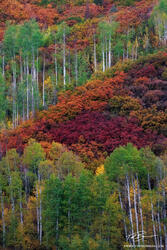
(140, 237)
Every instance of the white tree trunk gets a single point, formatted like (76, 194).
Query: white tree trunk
(136, 213)
(64, 58)
(130, 211)
(109, 54)
(37, 81)
(95, 59)
(140, 208)
(125, 227)
(37, 210)
(106, 52)
(40, 216)
(152, 216)
(43, 80)
(103, 56)
(27, 73)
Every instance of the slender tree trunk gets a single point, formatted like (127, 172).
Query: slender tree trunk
(21, 69)
(130, 210)
(40, 216)
(37, 210)
(32, 91)
(109, 54)
(152, 215)
(127, 52)
(23, 111)
(27, 90)
(140, 208)
(37, 81)
(43, 81)
(106, 52)
(17, 120)
(125, 228)
(14, 93)
(136, 213)
(103, 56)
(158, 215)
(164, 217)
(95, 59)
(56, 66)
(56, 75)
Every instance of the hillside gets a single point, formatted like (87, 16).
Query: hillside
(129, 107)
(83, 124)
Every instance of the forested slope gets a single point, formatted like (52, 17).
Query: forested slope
(83, 116)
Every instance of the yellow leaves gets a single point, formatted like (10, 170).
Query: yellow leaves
(48, 82)
(100, 170)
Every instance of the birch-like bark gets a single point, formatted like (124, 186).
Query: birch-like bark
(37, 210)
(17, 116)
(21, 69)
(103, 56)
(127, 52)
(152, 216)
(158, 215)
(56, 75)
(27, 73)
(140, 208)
(32, 91)
(40, 215)
(14, 92)
(136, 213)
(23, 117)
(43, 81)
(125, 227)
(109, 53)
(130, 210)
(37, 81)
(106, 52)
(164, 217)
(56, 66)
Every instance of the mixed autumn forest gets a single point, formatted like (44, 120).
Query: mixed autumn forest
(83, 124)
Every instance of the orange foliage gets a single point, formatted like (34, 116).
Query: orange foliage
(15, 11)
(132, 16)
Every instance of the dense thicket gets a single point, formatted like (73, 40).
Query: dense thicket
(83, 120)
